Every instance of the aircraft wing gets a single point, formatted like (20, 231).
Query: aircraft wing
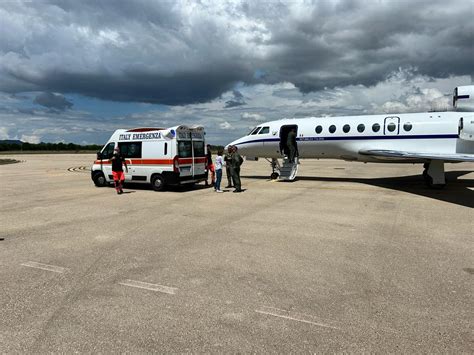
(397, 154)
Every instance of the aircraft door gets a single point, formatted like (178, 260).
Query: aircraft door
(391, 126)
(284, 131)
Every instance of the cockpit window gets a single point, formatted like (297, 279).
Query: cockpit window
(251, 131)
(264, 130)
(255, 131)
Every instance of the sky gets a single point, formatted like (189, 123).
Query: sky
(74, 71)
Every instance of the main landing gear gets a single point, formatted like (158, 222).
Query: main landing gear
(433, 174)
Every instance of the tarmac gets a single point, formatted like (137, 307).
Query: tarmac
(350, 257)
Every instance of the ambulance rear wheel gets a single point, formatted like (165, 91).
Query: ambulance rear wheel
(158, 182)
(99, 179)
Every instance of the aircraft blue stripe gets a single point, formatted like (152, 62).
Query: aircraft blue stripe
(349, 138)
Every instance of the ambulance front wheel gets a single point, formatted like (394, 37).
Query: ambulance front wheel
(99, 179)
(158, 182)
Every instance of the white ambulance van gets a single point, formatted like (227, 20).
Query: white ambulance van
(156, 156)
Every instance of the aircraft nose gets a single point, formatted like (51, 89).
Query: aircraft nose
(231, 143)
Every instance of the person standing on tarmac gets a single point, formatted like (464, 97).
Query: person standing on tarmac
(291, 144)
(227, 159)
(218, 166)
(210, 166)
(235, 163)
(117, 161)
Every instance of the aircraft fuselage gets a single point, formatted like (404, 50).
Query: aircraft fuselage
(344, 137)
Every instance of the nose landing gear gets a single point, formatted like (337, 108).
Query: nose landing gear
(275, 169)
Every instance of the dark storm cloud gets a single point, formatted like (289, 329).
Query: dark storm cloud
(187, 52)
(53, 101)
(181, 88)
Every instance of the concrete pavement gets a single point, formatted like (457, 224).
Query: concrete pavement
(350, 257)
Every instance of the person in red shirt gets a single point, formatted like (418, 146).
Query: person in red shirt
(210, 167)
(117, 161)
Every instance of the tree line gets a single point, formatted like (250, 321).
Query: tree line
(4, 146)
(23, 146)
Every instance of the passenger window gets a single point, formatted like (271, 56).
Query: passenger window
(407, 126)
(361, 128)
(346, 128)
(391, 126)
(264, 130)
(131, 149)
(108, 151)
(332, 128)
(318, 129)
(256, 131)
(376, 127)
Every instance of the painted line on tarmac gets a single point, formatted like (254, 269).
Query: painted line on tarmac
(286, 315)
(78, 169)
(148, 286)
(53, 268)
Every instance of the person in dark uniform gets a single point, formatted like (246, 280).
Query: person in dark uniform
(291, 144)
(117, 161)
(235, 163)
(227, 159)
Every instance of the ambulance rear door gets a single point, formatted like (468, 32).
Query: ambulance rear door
(185, 154)
(199, 157)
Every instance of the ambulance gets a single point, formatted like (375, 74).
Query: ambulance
(156, 156)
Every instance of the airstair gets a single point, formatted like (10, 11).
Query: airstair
(288, 170)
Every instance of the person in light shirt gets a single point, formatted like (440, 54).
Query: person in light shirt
(219, 162)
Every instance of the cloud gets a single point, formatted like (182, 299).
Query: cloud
(53, 101)
(225, 125)
(4, 133)
(252, 117)
(30, 139)
(238, 100)
(192, 52)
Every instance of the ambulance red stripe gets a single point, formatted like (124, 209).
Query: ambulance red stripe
(156, 161)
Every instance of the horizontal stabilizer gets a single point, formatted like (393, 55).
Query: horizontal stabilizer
(418, 156)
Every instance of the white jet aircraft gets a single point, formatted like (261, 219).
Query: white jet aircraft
(431, 138)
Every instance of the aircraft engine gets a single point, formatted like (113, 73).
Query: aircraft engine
(463, 98)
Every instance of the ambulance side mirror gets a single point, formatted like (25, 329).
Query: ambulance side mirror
(99, 155)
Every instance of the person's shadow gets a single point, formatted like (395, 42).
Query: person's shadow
(457, 191)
